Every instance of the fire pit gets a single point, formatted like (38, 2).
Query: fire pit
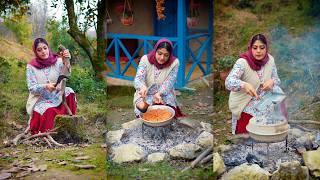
(158, 118)
(273, 127)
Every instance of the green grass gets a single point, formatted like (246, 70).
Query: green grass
(121, 101)
(316, 114)
(294, 20)
(163, 170)
(95, 152)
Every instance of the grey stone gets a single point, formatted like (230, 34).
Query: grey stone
(206, 127)
(205, 139)
(136, 123)
(312, 161)
(157, 157)
(218, 164)
(190, 123)
(184, 151)
(115, 136)
(304, 141)
(290, 171)
(245, 171)
(127, 153)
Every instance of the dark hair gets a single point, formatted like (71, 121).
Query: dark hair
(165, 45)
(39, 40)
(259, 37)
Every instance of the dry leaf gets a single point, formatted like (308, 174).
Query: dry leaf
(12, 170)
(22, 174)
(103, 146)
(5, 175)
(34, 168)
(82, 158)
(85, 166)
(43, 167)
(78, 154)
(62, 163)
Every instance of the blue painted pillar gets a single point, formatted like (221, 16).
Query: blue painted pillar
(209, 48)
(181, 35)
(117, 54)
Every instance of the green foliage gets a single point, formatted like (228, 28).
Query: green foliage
(4, 105)
(84, 82)
(314, 8)
(21, 28)
(266, 7)
(316, 113)
(245, 4)
(4, 70)
(88, 12)
(16, 7)
(226, 62)
(57, 34)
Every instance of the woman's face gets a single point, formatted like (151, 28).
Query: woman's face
(162, 55)
(42, 51)
(259, 50)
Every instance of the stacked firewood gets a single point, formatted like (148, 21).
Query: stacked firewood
(160, 9)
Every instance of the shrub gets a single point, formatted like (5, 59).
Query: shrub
(83, 81)
(4, 70)
(242, 4)
(21, 28)
(314, 8)
(226, 62)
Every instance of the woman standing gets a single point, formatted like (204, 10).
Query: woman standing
(155, 79)
(252, 76)
(45, 99)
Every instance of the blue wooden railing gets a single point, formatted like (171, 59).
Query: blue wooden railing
(146, 43)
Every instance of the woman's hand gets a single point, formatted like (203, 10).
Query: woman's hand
(157, 98)
(65, 54)
(248, 88)
(268, 85)
(143, 91)
(50, 87)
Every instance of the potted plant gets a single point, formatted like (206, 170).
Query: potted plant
(225, 65)
(193, 18)
(127, 18)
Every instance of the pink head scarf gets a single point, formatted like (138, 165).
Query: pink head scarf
(152, 55)
(253, 62)
(39, 63)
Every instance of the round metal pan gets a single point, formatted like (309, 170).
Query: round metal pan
(159, 123)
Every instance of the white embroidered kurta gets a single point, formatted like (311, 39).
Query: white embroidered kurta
(40, 99)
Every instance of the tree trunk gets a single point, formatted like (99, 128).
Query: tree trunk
(96, 56)
(70, 129)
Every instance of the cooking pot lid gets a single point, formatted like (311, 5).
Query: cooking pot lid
(269, 98)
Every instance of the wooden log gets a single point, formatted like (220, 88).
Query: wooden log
(15, 141)
(47, 141)
(306, 121)
(199, 158)
(54, 142)
(206, 159)
(39, 135)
